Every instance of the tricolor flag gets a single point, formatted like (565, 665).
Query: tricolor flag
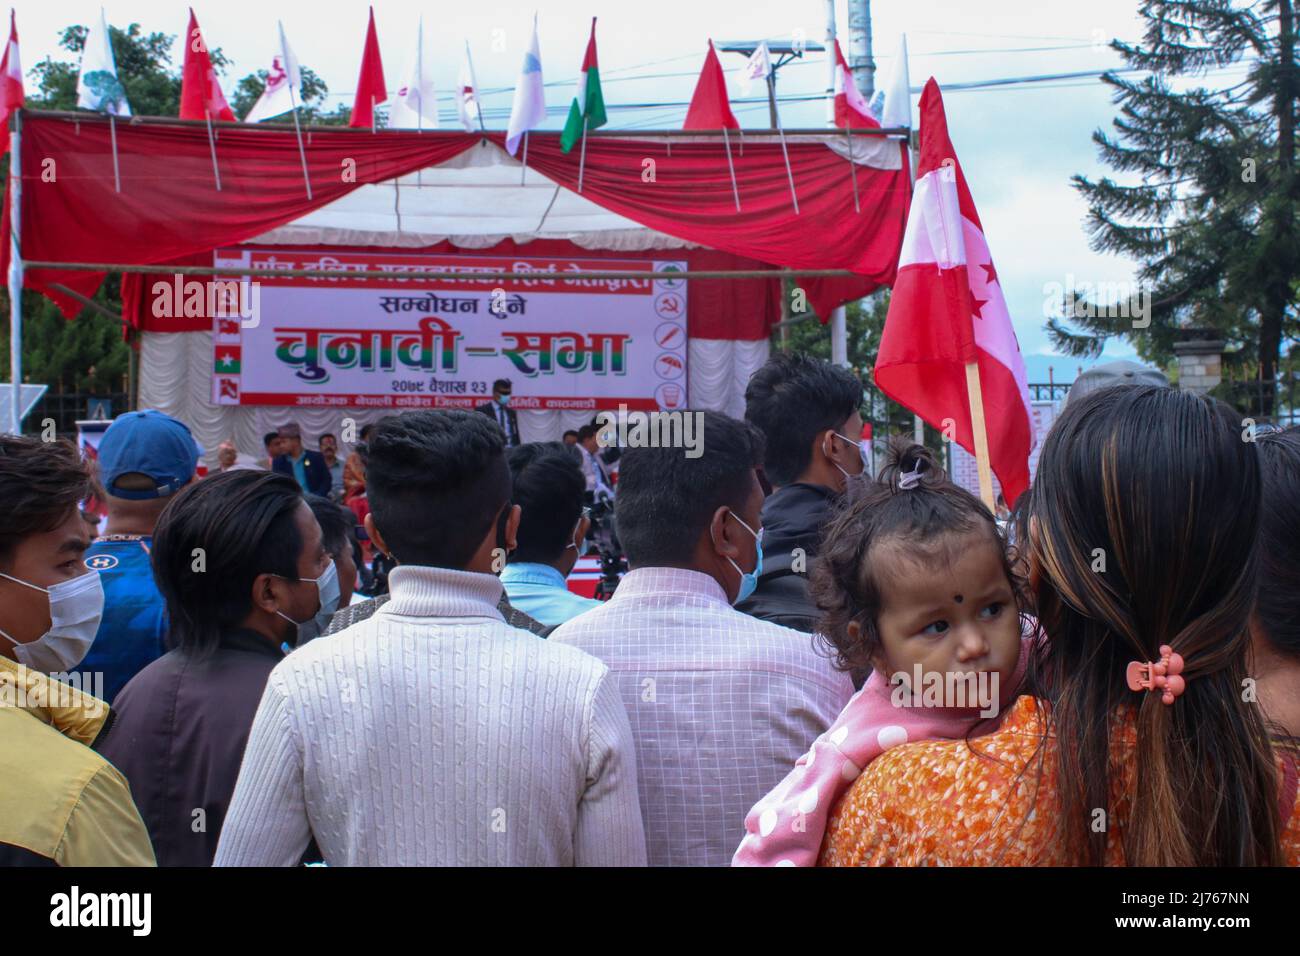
(201, 95)
(528, 111)
(947, 310)
(467, 92)
(851, 108)
(416, 106)
(11, 82)
(283, 90)
(98, 87)
(587, 111)
(371, 89)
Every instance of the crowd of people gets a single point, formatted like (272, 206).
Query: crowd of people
(376, 660)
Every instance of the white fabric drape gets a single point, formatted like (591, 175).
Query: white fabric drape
(176, 378)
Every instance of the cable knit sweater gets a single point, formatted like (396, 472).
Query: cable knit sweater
(434, 734)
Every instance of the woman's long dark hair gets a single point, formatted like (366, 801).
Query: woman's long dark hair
(1277, 608)
(1142, 527)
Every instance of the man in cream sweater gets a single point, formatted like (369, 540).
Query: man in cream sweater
(433, 733)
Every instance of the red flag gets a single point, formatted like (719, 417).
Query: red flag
(371, 89)
(201, 94)
(11, 82)
(851, 109)
(947, 310)
(709, 106)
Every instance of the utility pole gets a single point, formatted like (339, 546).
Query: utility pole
(838, 317)
(861, 62)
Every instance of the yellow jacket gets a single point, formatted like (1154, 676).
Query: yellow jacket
(60, 802)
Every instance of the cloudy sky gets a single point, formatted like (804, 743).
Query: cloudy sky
(1019, 143)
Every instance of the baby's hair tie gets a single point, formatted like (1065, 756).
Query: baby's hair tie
(910, 479)
(1164, 675)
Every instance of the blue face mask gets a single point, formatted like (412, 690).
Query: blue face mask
(748, 582)
(503, 400)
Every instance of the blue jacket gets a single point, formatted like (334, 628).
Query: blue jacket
(313, 463)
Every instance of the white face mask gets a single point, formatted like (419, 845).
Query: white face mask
(327, 590)
(863, 454)
(76, 607)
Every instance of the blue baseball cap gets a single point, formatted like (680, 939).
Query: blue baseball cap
(152, 444)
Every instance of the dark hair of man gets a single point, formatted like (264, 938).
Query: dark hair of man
(501, 385)
(337, 524)
(41, 484)
(586, 431)
(436, 481)
(548, 487)
(243, 522)
(366, 430)
(570, 432)
(325, 436)
(268, 438)
(791, 399)
(1277, 607)
(666, 500)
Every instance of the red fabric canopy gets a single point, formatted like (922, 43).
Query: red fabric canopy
(715, 308)
(169, 208)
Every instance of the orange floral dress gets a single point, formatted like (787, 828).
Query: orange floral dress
(940, 803)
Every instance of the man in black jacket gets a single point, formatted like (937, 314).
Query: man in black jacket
(499, 411)
(808, 411)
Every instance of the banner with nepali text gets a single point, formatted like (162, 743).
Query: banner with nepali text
(565, 342)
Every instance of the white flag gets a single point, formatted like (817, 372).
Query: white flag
(416, 106)
(467, 93)
(528, 111)
(98, 87)
(892, 105)
(758, 68)
(283, 85)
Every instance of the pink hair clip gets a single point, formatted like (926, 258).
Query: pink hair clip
(1164, 675)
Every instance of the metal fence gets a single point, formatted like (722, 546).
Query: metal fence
(67, 408)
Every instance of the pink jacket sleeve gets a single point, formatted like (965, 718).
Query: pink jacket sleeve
(786, 827)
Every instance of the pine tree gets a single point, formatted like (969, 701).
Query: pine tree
(1208, 205)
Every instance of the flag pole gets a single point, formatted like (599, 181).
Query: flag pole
(731, 167)
(474, 84)
(293, 104)
(212, 147)
(582, 157)
(373, 120)
(784, 152)
(978, 426)
(15, 275)
(523, 166)
(112, 133)
(853, 168)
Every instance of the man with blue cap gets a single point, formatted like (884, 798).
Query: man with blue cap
(145, 458)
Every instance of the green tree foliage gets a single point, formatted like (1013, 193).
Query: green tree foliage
(1208, 203)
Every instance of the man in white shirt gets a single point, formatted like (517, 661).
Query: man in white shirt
(721, 703)
(593, 469)
(432, 733)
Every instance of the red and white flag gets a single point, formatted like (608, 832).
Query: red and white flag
(11, 82)
(467, 93)
(947, 310)
(201, 94)
(283, 91)
(371, 89)
(851, 108)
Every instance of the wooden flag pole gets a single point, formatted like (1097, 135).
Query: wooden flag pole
(784, 152)
(853, 169)
(978, 426)
(212, 147)
(374, 120)
(731, 167)
(582, 157)
(523, 166)
(112, 133)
